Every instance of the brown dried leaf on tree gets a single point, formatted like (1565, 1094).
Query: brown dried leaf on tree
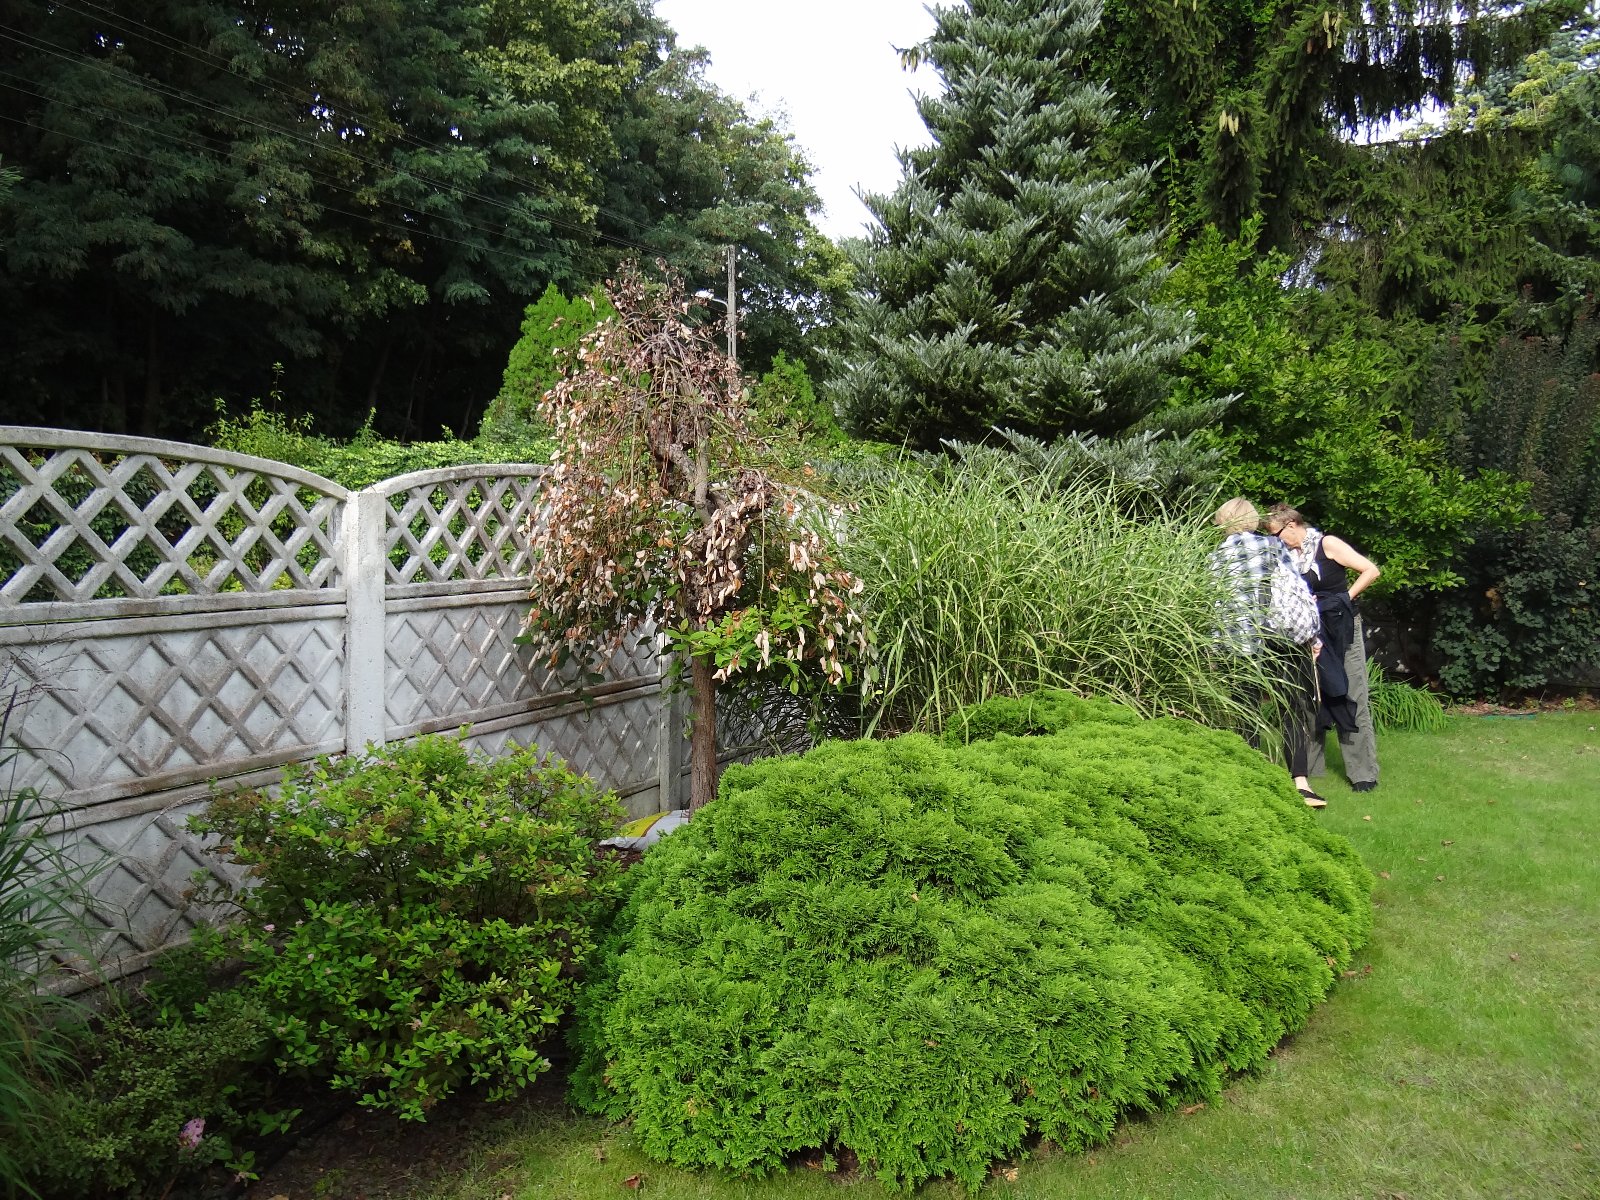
(653, 515)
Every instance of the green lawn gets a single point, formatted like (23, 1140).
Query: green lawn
(1461, 1060)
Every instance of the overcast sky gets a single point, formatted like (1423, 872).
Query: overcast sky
(830, 67)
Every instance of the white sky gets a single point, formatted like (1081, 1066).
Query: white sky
(828, 66)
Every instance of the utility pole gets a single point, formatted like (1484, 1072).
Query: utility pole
(733, 309)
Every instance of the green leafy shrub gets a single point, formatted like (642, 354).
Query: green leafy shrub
(552, 326)
(163, 1096)
(419, 917)
(784, 404)
(1318, 423)
(925, 952)
(1527, 615)
(366, 459)
(1530, 617)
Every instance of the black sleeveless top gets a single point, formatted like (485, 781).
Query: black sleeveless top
(1326, 577)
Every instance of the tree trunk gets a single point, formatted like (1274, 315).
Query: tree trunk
(376, 381)
(703, 735)
(152, 381)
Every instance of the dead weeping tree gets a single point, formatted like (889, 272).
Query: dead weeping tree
(653, 511)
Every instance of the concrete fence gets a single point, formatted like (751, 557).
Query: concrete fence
(172, 615)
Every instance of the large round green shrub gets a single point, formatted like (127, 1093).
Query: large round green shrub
(924, 952)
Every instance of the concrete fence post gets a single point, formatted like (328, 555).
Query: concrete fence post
(365, 575)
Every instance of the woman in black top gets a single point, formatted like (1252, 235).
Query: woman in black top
(1323, 561)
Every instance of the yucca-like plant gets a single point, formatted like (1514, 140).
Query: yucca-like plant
(987, 576)
(40, 901)
(1402, 707)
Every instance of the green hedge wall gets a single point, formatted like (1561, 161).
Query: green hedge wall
(926, 953)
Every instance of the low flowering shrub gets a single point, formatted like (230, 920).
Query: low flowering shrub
(419, 917)
(926, 952)
(163, 1095)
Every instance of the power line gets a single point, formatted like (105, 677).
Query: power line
(200, 148)
(55, 50)
(106, 114)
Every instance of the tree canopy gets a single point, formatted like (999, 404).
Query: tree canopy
(365, 193)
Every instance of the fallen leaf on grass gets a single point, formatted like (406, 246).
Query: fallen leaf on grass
(1368, 817)
(1383, 875)
(1440, 878)
(1192, 1109)
(633, 1181)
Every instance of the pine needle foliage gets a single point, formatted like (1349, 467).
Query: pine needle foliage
(1005, 284)
(927, 952)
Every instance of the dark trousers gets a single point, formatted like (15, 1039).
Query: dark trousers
(1300, 706)
(1297, 672)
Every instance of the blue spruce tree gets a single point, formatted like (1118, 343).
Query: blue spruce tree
(1007, 284)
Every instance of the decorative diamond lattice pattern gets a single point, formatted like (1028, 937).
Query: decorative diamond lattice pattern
(144, 706)
(81, 524)
(615, 744)
(463, 660)
(143, 900)
(468, 528)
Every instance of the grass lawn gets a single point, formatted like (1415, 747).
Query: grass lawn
(1462, 1059)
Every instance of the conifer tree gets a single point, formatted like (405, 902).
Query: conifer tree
(1005, 284)
(1245, 101)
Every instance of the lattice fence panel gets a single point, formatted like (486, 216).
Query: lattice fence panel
(464, 660)
(143, 711)
(144, 899)
(443, 529)
(615, 743)
(105, 521)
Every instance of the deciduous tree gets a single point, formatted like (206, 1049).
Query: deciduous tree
(655, 514)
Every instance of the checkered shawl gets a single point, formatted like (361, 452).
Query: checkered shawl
(1266, 595)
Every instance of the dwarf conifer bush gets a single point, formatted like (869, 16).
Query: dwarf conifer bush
(926, 952)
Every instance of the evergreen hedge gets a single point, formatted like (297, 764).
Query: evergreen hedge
(928, 952)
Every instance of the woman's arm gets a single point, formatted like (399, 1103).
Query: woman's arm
(1346, 555)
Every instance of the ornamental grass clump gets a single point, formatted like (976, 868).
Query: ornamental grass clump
(419, 916)
(927, 953)
(992, 575)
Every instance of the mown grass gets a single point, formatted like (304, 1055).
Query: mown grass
(1462, 1059)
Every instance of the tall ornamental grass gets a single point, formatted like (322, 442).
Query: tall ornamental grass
(42, 897)
(986, 576)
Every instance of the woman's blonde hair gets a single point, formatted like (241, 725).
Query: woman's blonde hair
(1237, 516)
